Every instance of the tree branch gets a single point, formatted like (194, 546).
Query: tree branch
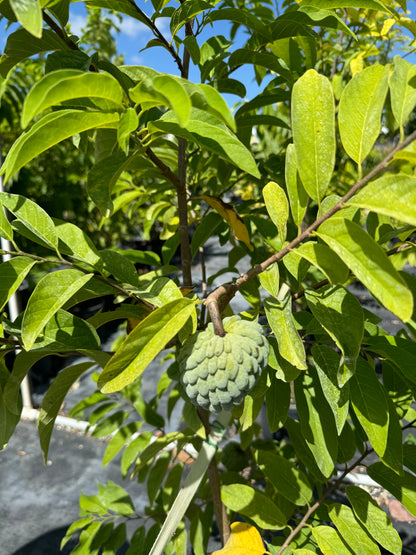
(224, 293)
(158, 34)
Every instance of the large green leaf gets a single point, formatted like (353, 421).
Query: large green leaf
(351, 530)
(403, 486)
(370, 405)
(330, 541)
(32, 216)
(313, 125)
(254, 504)
(327, 362)
(50, 130)
(402, 90)
(339, 312)
(208, 133)
(12, 273)
(317, 421)
(21, 44)
(360, 109)
(144, 343)
(67, 332)
(53, 400)
(119, 266)
(67, 84)
(279, 316)
(391, 195)
(163, 90)
(288, 480)
(72, 241)
(49, 295)
(277, 404)
(303, 450)
(298, 197)
(8, 419)
(277, 206)
(374, 519)
(369, 263)
(202, 96)
(328, 4)
(29, 14)
(325, 259)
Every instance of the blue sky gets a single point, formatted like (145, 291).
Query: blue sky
(134, 36)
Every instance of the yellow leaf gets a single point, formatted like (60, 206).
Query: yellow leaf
(244, 540)
(357, 64)
(231, 216)
(387, 25)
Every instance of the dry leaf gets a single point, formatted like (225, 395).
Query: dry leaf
(232, 217)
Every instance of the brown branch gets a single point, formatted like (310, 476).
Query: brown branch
(227, 291)
(158, 34)
(215, 486)
(167, 172)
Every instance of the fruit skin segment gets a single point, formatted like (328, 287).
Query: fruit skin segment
(218, 372)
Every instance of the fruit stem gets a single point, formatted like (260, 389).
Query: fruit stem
(216, 320)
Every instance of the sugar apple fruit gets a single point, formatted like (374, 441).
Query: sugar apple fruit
(218, 372)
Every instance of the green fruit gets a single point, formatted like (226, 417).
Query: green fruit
(218, 372)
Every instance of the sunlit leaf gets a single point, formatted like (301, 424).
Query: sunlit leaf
(277, 206)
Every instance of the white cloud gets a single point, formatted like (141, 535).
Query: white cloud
(77, 22)
(132, 28)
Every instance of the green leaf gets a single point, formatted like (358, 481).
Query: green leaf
(327, 363)
(210, 135)
(144, 343)
(6, 230)
(277, 206)
(157, 475)
(360, 108)
(332, 4)
(163, 90)
(120, 267)
(374, 519)
(49, 295)
(277, 404)
(253, 504)
(330, 541)
(50, 130)
(317, 421)
(150, 451)
(302, 449)
(129, 122)
(12, 273)
(53, 400)
(402, 90)
(351, 530)
(340, 314)
(8, 418)
(32, 216)
(298, 197)
(21, 44)
(279, 316)
(288, 480)
(402, 486)
(325, 259)
(119, 440)
(29, 14)
(269, 280)
(187, 11)
(67, 84)
(313, 125)
(370, 404)
(369, 263)
(391, 195)
(72, 241)
(110, 424)
(66, 332)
